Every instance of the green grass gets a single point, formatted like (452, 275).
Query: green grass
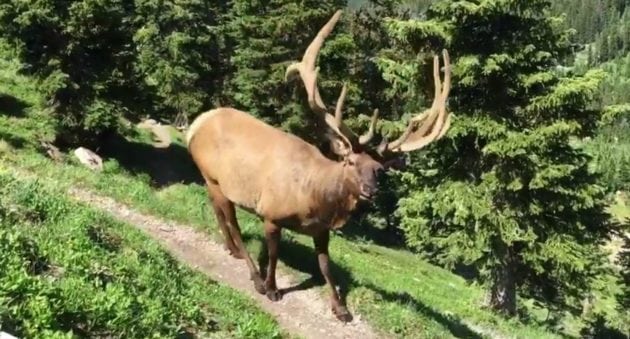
(621, 208)
(396, 291)
(68, 270)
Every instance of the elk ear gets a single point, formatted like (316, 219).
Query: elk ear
(340, 148)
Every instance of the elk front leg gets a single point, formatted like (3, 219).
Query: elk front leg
(321, 247)
(273, 234)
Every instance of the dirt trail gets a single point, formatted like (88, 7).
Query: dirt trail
(303, 313)
(160, 132)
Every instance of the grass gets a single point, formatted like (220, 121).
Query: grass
(396, 291)
(68, 270)
(621, 208)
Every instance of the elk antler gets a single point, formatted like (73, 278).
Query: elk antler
(365, 138)
(308, 72)
(424, 128)
(432, 124)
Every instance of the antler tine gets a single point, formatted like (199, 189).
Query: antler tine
(437, 82)
(447, 76)
(435, 119)
(306, 68)
(339, 107)
(308, 72)
(365, 138)
(445, 127)
(336, 123)
(445, 91)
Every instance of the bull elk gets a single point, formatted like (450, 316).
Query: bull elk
(288, 182)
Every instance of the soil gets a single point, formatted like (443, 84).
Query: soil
(161, 133)
(304, 313)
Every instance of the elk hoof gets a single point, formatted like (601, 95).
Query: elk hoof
(237, 255)
(259, 285)
(233, 252)
(341, 312)
(274, 295)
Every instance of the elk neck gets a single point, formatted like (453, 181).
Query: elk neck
(336, 187)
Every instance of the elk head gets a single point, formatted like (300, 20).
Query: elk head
(367, 164)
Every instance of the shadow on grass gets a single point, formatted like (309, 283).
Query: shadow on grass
(165, 166)
(14, 140)
(358, 228)
(454, 325)
(303, 259)
(12, 106)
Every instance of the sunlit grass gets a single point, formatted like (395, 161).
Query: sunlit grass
(66, 268)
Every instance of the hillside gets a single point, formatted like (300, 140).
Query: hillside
(509, 226)
(394, 290)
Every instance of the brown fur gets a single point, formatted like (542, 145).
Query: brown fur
(282, 179)
(287, 178)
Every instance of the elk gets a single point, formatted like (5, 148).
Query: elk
(289, 183)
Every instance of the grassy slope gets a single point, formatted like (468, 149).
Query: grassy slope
(621, 208)
(66, 267)
(395, 290)
(95, 276)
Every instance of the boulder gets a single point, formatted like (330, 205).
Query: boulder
(89, 158)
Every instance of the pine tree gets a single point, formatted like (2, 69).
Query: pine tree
(624, 297)
(507, 190)
(81, 52)
(99, 61)
(263, 38)
(178, 53)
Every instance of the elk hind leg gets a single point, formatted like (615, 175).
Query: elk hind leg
(219, 203)
(235, 232)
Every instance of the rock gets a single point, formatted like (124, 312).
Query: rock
(5, 335)
(52, 151)
(89, 158)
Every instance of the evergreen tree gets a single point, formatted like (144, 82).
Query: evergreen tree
(624, 296)
(178, 53)
(506, 190)
(81, 52)
(101, 60)
(263, 38)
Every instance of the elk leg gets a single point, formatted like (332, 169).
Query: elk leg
(272, 235)
(321, 247)
(235, 232)
(218, 203)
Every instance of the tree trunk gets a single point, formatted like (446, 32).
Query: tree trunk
(502, 294)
